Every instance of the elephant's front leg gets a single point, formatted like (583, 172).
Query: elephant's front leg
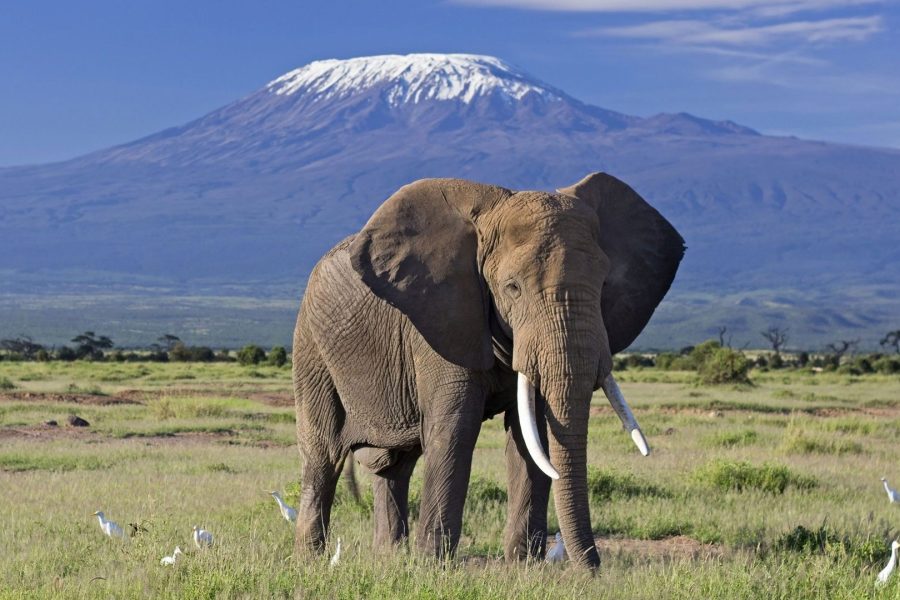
(528, 490)
(448, 442)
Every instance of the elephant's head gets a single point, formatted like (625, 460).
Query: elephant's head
(570, 278)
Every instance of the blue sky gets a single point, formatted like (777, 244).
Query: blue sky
(79, 76)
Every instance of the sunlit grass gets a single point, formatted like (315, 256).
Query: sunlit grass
(780, 481)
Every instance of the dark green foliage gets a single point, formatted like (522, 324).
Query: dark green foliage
(605, 484)
(724, 365)
(739, 476)
(731, 439)
(6, 384)
(251, 354)
(277, 356)
(777, 362)
(183, 353)
(802, 359)
(485, 491)
(806, 540)
(91, 346)
(887, 365)
(66, 354)
(22, 346)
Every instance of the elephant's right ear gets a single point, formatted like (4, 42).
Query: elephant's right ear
(419, 253)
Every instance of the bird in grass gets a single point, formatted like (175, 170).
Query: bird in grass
(336, 559)
(109, 528)
(288, 512)
(893, 495)
(558, 552)
(170, 560)
(136, 529)
(892, 564)
(202, 538)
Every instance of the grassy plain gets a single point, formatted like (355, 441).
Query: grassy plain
(765, 491)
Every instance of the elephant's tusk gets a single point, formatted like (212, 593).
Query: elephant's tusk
(528, 424)
(617, 400)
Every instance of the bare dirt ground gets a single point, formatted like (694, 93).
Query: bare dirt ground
(87, 399)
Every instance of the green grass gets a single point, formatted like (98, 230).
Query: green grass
(777, 485)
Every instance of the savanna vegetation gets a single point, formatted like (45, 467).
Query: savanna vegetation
(762, 489)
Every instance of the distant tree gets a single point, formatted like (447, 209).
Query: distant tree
(891, 340)
(837, 350)
(777, 338)
(168, 341)
(22, 346)
(251, 354)
(722, 341)
(277, 356)
(91, 345)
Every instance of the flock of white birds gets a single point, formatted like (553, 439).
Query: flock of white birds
(204, 539)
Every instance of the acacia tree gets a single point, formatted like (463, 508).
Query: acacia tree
(892, 340)
(777, 338)
(22, 345)
(91, 345)
(839, 349)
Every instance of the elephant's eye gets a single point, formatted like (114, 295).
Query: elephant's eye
(513, 289)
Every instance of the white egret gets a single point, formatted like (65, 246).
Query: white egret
(109, 528)
(202, 538)
(893, 495)
(288, 512)
(336, 559)
(892, 564)
(558, 552)
(170, 560)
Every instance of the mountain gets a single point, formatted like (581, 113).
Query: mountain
(210, 228)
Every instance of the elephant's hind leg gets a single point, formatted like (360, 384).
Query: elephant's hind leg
(320, 419)
(391, 487)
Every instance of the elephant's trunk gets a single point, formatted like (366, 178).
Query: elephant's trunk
(567, 418)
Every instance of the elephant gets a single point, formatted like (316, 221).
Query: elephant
(458, 301)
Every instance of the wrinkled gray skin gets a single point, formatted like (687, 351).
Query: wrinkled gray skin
(411, 332)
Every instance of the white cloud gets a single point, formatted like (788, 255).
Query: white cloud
(690, 32)
(762, 7)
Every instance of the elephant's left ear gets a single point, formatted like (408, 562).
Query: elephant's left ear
(419, 253)
(644, 251)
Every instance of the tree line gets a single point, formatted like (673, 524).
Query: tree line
(167, 348)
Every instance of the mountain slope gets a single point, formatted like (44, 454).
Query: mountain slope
(245, 199)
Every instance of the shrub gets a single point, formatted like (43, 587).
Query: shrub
(730, 439)
(703, 352)
(798, 441)
(66, 354)
(605, 484)
(887, 365)
(251, 355)
(802, 359)
(739, 476)
(776, 362)
(724, 365)
(6, 384)
(485, 491)
(278, 356)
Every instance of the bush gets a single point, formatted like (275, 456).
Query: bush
(278, 356)
(887, 365)
(251, 355)
(182, 353)
(605, 484)
(6, 384)
(739, 476)
(485, 491)
(802, 359)
(724, 365)
(776, 362)
(66, 354)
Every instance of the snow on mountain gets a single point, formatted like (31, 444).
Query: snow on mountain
(412, 78)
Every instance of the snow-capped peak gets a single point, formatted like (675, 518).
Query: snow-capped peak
(412, 78)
